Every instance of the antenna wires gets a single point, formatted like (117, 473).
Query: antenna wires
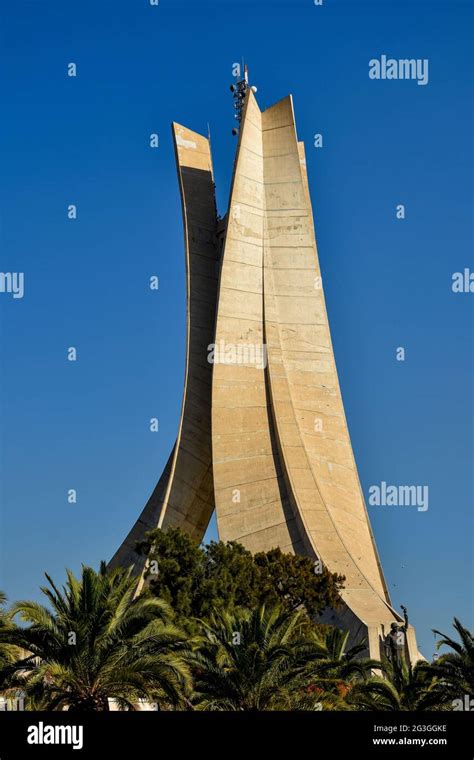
(239, 90)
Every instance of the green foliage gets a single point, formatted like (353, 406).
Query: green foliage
(269, 659)
(425, 686)
(399, 687)
(8, 652)
(291, 580)
(333, 663)
(241, 640)
(453, 673)
(94, 642)
(252, 661)
(198, 581)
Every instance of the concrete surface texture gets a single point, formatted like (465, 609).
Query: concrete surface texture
(184, 495)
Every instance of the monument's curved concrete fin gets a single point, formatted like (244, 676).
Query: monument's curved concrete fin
(252, 502)
(284, 470)
(184, 495)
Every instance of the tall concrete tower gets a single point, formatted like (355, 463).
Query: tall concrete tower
(263, 436)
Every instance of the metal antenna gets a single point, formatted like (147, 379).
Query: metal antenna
(239, 91)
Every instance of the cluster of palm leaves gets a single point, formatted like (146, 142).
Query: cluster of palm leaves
(95, 642)
(267, 660)
(98, 643)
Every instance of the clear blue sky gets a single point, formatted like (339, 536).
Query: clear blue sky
(84, 425)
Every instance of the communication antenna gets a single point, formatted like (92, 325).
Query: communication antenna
(239, 91)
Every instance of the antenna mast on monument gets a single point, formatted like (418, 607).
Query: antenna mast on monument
(239, 90)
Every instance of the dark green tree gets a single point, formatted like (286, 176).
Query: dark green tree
(198, 581)
(296, 581)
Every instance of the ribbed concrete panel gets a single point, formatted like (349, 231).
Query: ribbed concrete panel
(319, 468)
(252, 504)
(184, 495)
(284, 470)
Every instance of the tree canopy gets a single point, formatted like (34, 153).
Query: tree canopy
(198, 580)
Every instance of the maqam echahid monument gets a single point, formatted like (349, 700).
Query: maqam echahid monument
(263, 437)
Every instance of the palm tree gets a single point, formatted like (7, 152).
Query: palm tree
(3, 623)
(8, 653)
(331, 656)
(453, 672)
(252, 660)
(97, 642)
(334, 669)
(402, 687)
